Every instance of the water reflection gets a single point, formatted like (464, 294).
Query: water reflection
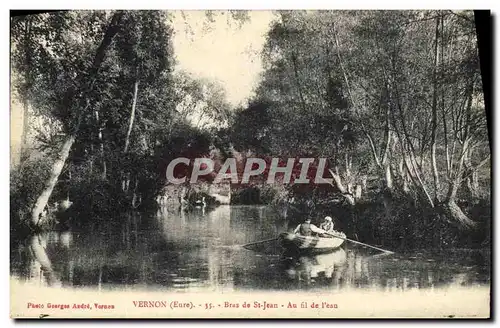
(37, 265)
(327, 268)
(202, 250)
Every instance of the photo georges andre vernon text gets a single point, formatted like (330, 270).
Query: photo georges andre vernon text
(72, 306)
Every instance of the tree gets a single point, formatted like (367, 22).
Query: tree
(399, 87)
(56, 61)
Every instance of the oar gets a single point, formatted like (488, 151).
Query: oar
(246, 245)
(333, 235)
(360, 243)
(260, 242)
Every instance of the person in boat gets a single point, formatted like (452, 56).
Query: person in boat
(201, 203)
(308, 229)
(328, 226)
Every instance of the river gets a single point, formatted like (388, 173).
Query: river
(200, 251)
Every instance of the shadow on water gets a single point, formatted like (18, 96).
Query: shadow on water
(203, 251)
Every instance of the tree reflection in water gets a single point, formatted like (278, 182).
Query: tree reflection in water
(41, 266)
(192, 251)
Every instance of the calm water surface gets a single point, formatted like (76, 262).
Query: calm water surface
(202, 251)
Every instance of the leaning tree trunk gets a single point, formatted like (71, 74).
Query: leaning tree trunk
(450, 206)
(349, 197)
(126, 176)
(455, 213)
(132, 116)
(452, 210)
(58, 165)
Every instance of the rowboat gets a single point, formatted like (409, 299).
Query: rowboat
(310, 244)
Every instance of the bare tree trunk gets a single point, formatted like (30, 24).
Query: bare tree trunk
(404, 177)
(58, 165)
(420, 181)
(136, 198)
(358, 191)
(364, 186)
(24, 132)
(295, 71)
(345, 193)
(386, 162)
(451, 208)
(126, 177)
(471, 176)
(91, 163)
(101, 143)
(372, 146)
(25, 95)
(388, 177)
(435, 173)
(383, 164)
(443, 111)
(126, 182)
(453, 211)
(410, 161)
(472, 182)
(132, 116)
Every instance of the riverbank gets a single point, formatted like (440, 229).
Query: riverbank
(397, 222)
(401, 225)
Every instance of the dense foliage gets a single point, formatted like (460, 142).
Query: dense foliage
(111, 108)
(393, 99)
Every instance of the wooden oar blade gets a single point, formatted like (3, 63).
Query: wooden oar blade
(268, 246)
(362, 244)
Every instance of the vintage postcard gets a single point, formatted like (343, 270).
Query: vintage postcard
(249, 164)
